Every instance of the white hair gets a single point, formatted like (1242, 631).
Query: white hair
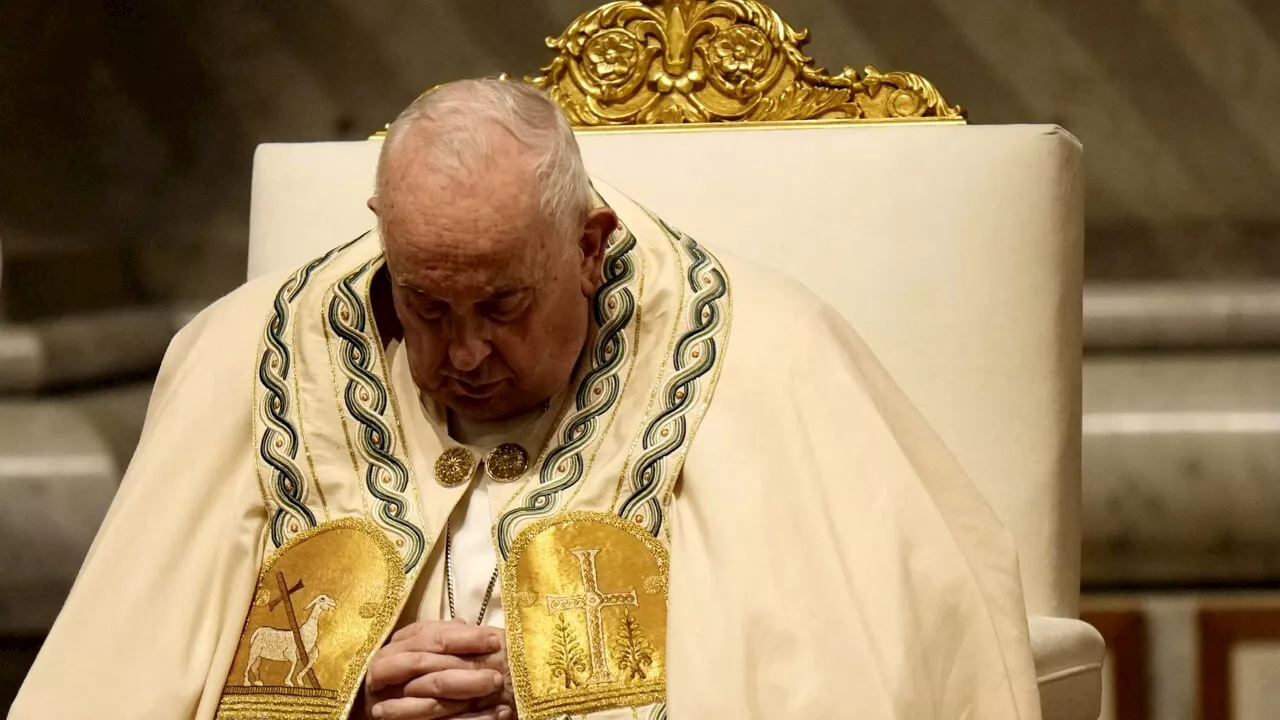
(459, 119)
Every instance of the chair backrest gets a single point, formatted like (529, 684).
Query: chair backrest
(954, 249)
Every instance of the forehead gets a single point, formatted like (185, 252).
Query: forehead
(477, 234)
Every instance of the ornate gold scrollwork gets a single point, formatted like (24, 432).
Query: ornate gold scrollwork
(648, 62)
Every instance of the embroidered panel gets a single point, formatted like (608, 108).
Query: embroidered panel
(587, 615)
(598, 390)
(324, 602)
(687, 384)
(366, 400)
(286, 489)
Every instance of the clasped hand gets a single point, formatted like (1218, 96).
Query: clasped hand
(435, 669)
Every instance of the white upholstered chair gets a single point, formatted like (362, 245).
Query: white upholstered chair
(954, 249)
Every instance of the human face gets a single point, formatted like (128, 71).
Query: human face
(494, 306)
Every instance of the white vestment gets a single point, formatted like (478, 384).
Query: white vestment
(738, 514)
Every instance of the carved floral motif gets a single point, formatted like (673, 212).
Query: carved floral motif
(638, 62)
(612, 55)
(740, 53)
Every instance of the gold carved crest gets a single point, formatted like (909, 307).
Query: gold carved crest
(647, 62)
(323, 604)
(587, 615)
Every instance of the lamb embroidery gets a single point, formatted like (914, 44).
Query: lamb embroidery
(296, 644)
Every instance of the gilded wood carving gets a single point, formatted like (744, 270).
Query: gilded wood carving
(648, 62)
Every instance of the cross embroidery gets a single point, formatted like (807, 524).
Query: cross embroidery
(286, 597)
(593, 601)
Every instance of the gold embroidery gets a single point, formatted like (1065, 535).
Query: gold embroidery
(295, 644)
(332, 593)
(397, 423)
(632, 651)
(330, 351)
(302, 423)
(567, 661)
(592, 601)
(680, 271)
(596, 636)
(655, 584)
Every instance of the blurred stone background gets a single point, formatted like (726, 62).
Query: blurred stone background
(127, 129)
(129, 125)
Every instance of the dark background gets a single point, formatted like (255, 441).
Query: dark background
(127, 131)
(127, 127)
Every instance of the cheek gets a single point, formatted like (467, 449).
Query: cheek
(426, 354)
(551, 346)
(518, 346)
(532, 349)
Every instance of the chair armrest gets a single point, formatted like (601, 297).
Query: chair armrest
(1069, 655)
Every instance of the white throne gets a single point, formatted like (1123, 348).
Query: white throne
(954, 249)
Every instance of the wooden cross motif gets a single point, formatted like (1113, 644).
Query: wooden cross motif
(593, 601)
(285, 597)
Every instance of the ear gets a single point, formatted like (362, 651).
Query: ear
(373, 204)
(600, 224)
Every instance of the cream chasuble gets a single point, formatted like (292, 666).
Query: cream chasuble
(734, 513)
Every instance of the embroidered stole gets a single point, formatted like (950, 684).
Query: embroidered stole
(582, 544)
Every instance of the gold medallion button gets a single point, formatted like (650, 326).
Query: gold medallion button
(506, 463)
(455, 467)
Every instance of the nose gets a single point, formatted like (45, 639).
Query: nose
(469, 344)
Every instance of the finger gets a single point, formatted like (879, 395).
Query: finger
(467, 640)
(416, 708)
(409, 630)
(462, 639)
(452, 639)
(494, 661)
(501, 712)
(489, 701)
(422, 626)
(400, 666)
(431, 709)
(456, 684)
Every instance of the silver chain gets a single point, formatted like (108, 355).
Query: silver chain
(448, 579)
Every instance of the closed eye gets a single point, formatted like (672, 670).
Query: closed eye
(506, 315)
(506, 309)
(431, 310)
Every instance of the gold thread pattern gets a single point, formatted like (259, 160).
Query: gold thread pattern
(695, 362)
(274, 405)
(332, 593)
(592, 640)
(567, 660)
(632, 651)
(302, 426)
(368, 400)
(413, 492)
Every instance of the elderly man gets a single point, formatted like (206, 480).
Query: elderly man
(528, 451)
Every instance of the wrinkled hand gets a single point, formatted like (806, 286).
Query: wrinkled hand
(436, 669)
